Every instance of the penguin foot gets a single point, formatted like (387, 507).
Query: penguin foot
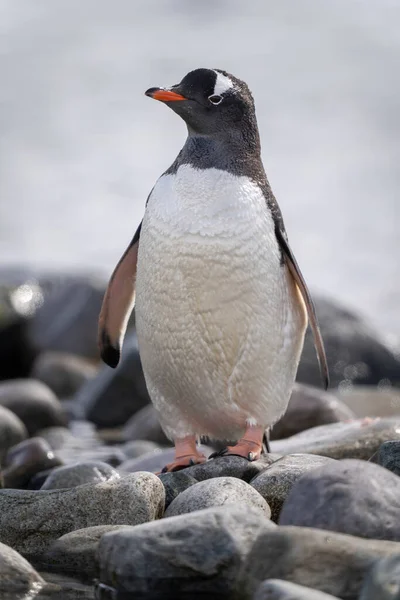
(182, 462)
(250, 446)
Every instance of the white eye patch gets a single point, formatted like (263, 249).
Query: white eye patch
(222, 84)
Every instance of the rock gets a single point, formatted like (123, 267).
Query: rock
(144, 425)
(76, 552)
(114, 395)
(36, 482)
(360, 438)
(199, 552)
(220, 491)
(331, 562)
(20, 294)
(389, 456)
(106, 454)
(67, 319)
(63, 373)
(59, 437)
(369, 493)
(26, 459)
(137, 448)
(383, 580)
(12, 431)
(174, 484)
(79, 474)
(276, 589)
(275, 482)
(310, 407)
(31, 520)
(354, 350)
(154, 461)
(33, 402)
(231, 466)
(368, 401)
(17, 577)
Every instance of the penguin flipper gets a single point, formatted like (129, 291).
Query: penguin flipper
(118, 304)
(294, 270)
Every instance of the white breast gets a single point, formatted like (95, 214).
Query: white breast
(219, 324)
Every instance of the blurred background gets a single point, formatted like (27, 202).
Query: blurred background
(81, 146)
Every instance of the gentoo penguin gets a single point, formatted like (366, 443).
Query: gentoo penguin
(221, 304)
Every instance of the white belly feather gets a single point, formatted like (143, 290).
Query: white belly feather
(219, 321)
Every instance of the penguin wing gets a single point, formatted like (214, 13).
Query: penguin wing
(294, 270)
(118, 304)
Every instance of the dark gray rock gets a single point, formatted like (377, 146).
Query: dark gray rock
(354, 350)
(231, 466)
(79, 474)
(383, 580)
(276, 589)
(59, 437)
(309, 407)
(220, 491)
(12, 431)
(360, 438)
(114, 395)
(33, 402)
(276, 481)
(144, 425)
(137, 448)
(331, 562)
(154, 461)
(63, 373)
(76, 552)
(31, 520)
(174, 484)
(26, 459)
(389, 456)
(200, 552)
(67, 320)
(349, 496)
(17, 577)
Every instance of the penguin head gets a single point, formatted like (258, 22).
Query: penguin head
(211, 102)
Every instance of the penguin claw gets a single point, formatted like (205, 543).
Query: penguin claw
(239, 450)
(184, 462)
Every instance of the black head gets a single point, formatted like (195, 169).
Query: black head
(211, 102)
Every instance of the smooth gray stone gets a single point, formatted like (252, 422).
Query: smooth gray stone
(57, 437)
(114, 395)
(231, 466)
(371, 401)
(383, 580)
(276, 589)
(310, 407)
(31, 520)
(75, 553)
(354, 350)
(12, 431)
(63, 373)
(33, 402)
(144, 425)
(26, 459)
(348, 496)
(108, 454)
(79, 474)
(389, 456)
(360, 439)
(17, 577)
(174, 484)
(219, 491)
(137, 448)
(331, 562)
(275, 482)
(198, 552)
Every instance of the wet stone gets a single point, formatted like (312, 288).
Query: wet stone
(219, 491)
(175, 484)
(17, 576)
(12, 431)
(350, 496)
(26, 459)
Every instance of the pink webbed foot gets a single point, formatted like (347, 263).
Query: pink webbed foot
(186, 455)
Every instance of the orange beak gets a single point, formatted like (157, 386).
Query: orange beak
(164, 95)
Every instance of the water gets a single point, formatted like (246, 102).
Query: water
(80, 145)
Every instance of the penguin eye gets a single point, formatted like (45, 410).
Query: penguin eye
(214, 99)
